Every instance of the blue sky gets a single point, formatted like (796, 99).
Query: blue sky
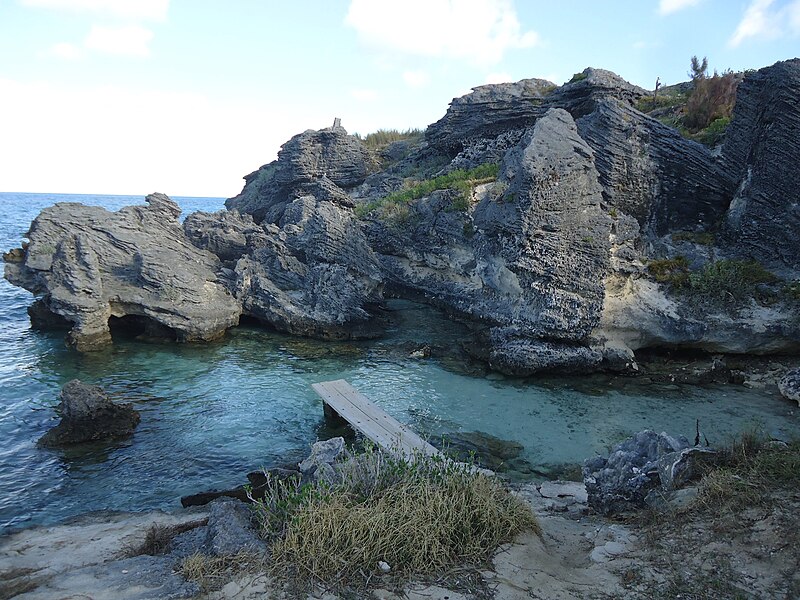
(187, 96)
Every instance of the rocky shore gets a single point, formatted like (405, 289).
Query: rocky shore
(595, 232)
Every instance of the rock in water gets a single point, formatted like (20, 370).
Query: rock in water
(90, 265)
(88, 414)
(762, 150)
(789, 385)
(304, 264)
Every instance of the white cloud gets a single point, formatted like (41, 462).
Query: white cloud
(666, 7)
(416, 79)
(152, 10)
(479, 31)
(66, 51)
(130, 40)
(111, 139)
(765, 21)
(364, 95)
(499, 78)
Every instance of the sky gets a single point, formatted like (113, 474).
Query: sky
(186, 97)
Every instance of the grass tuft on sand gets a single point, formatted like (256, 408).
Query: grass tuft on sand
(421, 518)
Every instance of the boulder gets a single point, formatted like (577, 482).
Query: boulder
(89, 265)
(230, 529)
(88, 414)
(318, 466)
(762, 144)
(789, 385)
(621, 482)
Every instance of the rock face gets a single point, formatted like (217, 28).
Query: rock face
(762, 150)
(789, 385)
(90, 265)
(320, 163)
(88, 414)
(621, 482)
(528, 257)
(302, 263)
(652, 173)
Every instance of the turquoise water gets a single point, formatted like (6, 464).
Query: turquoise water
(212, 412)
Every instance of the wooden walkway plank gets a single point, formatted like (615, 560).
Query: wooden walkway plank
(370, 420)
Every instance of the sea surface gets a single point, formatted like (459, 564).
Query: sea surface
(212, 412)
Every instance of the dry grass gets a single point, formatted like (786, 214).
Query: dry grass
(158, 538)
(421, 518)
(213, 572)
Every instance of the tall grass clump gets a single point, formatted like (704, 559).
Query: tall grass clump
(420, 517)
(730, 279)
(463, 181)
(750, 472)
(384, 137)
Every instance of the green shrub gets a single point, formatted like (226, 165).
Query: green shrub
(730, 279)
(712, 97)
(704, 238)
(646, 104)
(674, 271)
(578, 77)
(420, 517)
(384, 137)
(459, 180)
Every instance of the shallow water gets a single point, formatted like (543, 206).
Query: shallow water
(212, 412)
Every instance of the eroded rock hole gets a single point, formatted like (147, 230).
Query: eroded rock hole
(141, 328)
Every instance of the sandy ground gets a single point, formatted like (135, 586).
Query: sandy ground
(578, 557)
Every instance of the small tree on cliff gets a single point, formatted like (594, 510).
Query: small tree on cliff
(712, 98)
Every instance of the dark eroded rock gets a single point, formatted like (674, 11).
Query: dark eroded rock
(789, 385)
(88, 414)
(621, 482)
(762, 151)
(90, 265)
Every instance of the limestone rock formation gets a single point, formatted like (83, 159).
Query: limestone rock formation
(789, 385)
(88, 414)
(90, 265)
(652, 173)
(322, 163)
(621, 481)
(762, 151)
(528, 256)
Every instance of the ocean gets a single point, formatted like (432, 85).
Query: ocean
(212, 412)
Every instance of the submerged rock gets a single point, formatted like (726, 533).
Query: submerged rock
(89, 265)
(88, 414)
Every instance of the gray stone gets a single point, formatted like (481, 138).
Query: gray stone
(318, 466)
(230, 529)
(789, 385)
(676, 469)
(322, 163)
(621, 482)
(90, 265)
(761, 150)
(88, 414)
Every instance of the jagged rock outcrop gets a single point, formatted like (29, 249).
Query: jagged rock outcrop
(313, 274)
(322, 163)
(529, 256)
(762, 152)
(503, 111)
(91, 265)
(789, 385)
(88, 414)
(652, 173)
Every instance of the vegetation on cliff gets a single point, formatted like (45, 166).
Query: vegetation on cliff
(460, 180)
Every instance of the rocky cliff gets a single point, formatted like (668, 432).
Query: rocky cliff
(598, 231)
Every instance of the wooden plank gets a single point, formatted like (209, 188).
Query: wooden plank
(370, 420)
